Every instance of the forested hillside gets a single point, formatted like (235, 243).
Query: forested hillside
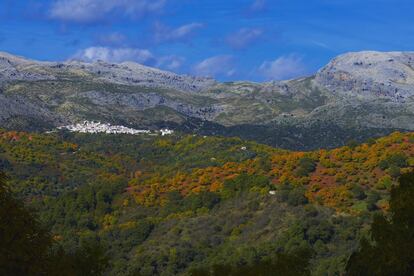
(178, 204)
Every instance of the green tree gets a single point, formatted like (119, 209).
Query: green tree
(306, 166)
(398, 160)
(294, 264)
(389, 252)
(28, 249)
(24, 243)
(243, 183)
(297, 197)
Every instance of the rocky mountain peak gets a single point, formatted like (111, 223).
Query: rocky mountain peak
(355, 95)
(371, 74)
(14, 68)
(131, 73)
(127, 73)
(6, 58)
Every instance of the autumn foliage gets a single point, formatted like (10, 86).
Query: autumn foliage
(329, 176)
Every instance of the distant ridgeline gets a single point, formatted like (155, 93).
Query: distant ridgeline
(174, 204)
(356, 96)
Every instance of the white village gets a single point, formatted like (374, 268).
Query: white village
(98, 127)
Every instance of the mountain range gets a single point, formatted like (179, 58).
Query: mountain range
(356, 96)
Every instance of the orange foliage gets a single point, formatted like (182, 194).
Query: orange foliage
(337, 170)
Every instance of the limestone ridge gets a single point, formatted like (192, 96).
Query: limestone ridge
(355, 96)
(371, 75)
(126, 73)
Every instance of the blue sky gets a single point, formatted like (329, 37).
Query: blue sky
(255, 40)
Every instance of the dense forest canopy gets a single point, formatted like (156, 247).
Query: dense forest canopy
(183, 203)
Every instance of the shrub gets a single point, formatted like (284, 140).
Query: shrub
(384, 183)
(137, 234)
(244, 182)
(394, 171)
(306, 166)
(398, 160)
(358, 192)
(297, 197)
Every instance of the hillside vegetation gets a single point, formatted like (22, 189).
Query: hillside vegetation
(356, 96)
(175, 205)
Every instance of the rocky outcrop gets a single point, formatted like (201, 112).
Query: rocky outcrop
(371, 75)
(128, 73)
(355, 91)
(15, 68)
(143, 101)
(17, 106)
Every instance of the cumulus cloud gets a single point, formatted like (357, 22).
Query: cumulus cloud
(118, 55)
(90, 11)
(164, 33)
(282, 68)
(216, 66)
(244, 37)
(115, 55)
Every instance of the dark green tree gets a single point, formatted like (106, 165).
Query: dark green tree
(27, 248)
(243, 183)
(293, 264)
(24, 243)
(306, 166)
(390, 250)
(397, 160)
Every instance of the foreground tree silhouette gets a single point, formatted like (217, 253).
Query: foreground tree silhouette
(294, 264)
(26, 248)
(391, 250)
(24, 244)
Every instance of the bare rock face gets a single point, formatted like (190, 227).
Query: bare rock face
(355, 94)
(371, 75)
(133, 73)
(14, 68)
(143, 101)
(18, 107)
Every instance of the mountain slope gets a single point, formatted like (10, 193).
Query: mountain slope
(354, 97)
(165, 205)
(371, 75)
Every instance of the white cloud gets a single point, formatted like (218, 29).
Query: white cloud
(166, 34)
(285, 67)
(244, 37)
(170, 62)
(118, 55)
(216, 66)
(115, 55)
(258, 6)
(320, 44)
(89, 11)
